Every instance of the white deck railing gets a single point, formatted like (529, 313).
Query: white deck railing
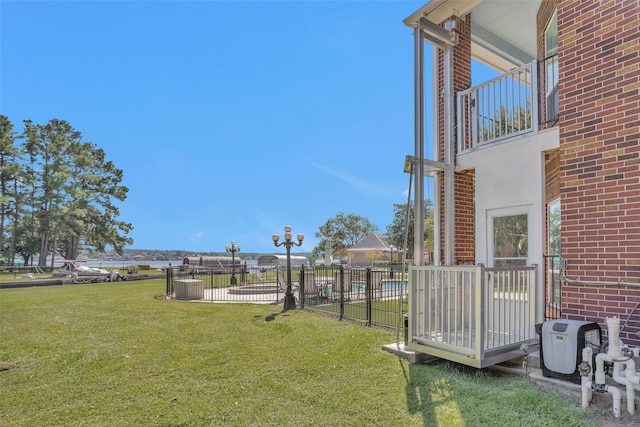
(472, 315)
(500, 108)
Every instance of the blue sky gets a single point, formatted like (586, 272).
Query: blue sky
(230, 120)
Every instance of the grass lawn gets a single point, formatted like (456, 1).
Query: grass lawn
(113, 354)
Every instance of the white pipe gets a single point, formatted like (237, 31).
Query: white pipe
(613, 324)
(585, 380)
(600, 380)
(612, 354)
(615, 393)
(629, 377)
(631, 395)
(587, 385)
(631, 373)
(586, 391)
(600, 358)
(634, 380)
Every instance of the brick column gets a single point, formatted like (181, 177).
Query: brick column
(464, 203)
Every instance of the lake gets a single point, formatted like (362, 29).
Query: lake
(105, 265)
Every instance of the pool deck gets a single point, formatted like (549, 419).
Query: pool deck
(240, 294)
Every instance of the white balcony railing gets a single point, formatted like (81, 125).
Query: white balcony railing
(500, 108)
(472, 315)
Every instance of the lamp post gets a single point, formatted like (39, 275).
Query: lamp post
(233, 248)
(289, 299)
(391, 264)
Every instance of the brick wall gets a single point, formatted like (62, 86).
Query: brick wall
(464, 204)
(599, 68)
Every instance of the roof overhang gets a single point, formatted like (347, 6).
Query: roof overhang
(503, 33)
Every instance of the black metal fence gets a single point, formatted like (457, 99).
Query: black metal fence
(216, 285)
(552, 288)
(375, 297)
(371, 296)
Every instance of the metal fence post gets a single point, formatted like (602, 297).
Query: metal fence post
(169, 289)
(301, 290)
(342, 284)
(368, 295)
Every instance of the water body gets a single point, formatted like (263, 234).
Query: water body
(105, 265)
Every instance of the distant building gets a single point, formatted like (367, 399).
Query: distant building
(278, 261)
(374, 247)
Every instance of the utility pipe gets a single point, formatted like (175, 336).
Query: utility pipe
(586, 377)
(600, 376)
(588, 386)
(615, 394)
(631, 395)
(628, 377)
(565, 279)
(613, 325)
(631, 373)
(599, 385)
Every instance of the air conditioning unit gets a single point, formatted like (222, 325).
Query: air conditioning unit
(561, 347)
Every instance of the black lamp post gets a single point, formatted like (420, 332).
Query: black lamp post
(391, 265)
(289, 299)
(233, 249)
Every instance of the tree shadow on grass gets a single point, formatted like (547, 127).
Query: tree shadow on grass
(431, 395)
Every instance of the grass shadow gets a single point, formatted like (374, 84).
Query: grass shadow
(271, 317)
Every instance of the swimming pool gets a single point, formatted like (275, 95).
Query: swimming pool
(386, 285)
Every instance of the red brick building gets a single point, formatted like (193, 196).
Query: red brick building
(540, 166)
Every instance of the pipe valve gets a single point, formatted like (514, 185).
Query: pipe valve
(600, 388)
(584, 368)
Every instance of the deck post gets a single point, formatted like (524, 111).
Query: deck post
(418, 61)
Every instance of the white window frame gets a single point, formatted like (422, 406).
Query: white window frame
(502, 212)
(552, 72)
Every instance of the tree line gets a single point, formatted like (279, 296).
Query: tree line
(59, 194)
(345, 230)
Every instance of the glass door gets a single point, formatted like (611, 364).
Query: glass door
(509, 229)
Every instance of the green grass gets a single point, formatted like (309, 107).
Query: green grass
(114, 354)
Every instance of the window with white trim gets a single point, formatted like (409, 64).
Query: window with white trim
(509, 231)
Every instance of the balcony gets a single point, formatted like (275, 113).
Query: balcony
(514, 104)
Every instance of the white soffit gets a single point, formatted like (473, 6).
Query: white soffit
(503, 31)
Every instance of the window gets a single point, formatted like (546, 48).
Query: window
(510, 243)
(553, 243)
(551, 69)
(554, 227)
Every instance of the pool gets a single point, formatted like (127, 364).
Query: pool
(255, 289)
(391, 284)
(386, 285)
